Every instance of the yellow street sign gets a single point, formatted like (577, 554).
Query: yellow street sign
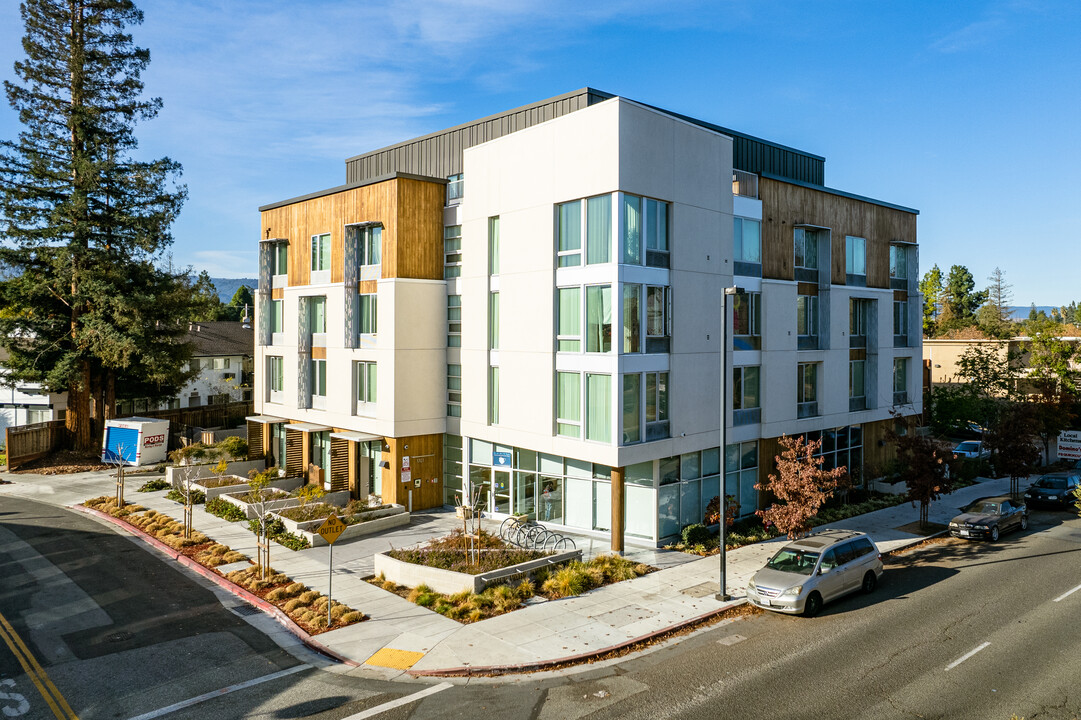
(331, 529)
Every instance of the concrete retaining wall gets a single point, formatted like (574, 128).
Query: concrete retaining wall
(449, 582)
(235, 467)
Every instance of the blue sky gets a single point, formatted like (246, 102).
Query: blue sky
(967, 111)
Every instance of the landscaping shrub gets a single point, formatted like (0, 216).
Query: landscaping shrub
(198, 497)
(276, 531)
(236, 447)
(153, 485)
(696, 534)
(572, 579)
(224, 509)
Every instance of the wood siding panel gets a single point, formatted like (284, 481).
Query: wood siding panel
(410, 211)
(785, 205)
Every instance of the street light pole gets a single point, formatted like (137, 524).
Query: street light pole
(723, 595)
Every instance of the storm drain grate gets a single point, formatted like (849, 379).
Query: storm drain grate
(120, 636)
(246, 610)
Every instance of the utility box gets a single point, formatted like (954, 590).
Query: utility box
(135, 441)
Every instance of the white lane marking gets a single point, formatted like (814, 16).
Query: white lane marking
(1067, 594)
(966, 656)
(218, 693)
(380, 709)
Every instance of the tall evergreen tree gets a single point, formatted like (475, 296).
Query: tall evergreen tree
(86, 225)
(932, 290)
(1000, 294)
(962, 301)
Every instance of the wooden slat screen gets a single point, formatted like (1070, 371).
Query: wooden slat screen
(255, 441)
(339, 464)
(294, 452)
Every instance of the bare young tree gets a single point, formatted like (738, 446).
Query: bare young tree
(259, 499)
(800, 484)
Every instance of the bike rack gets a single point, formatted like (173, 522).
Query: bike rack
(531, 535)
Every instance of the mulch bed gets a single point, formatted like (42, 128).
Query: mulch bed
(64, 462)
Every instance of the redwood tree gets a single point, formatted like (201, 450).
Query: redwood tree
(85, 224)
(801, 486)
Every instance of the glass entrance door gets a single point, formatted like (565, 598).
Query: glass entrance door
(480, 487)
(501, 493)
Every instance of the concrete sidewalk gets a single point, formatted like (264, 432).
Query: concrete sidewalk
(537, 635)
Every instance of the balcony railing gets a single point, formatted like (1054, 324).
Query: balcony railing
(807, 409)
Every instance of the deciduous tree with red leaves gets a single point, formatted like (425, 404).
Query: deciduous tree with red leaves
(801, 486)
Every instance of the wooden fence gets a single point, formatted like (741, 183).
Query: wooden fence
(30, 442)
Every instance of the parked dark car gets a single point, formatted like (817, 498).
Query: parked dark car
(1054, 489)
(990, 517)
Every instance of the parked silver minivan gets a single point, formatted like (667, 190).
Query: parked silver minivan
(811, 571)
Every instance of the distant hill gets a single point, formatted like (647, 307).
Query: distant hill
(227, 287)
(1017, 312)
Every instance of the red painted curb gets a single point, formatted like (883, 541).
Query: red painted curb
(223, 582)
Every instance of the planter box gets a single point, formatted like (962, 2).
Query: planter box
(382, 519)
(250, 510)
(235, 467)
(242, 486)
(449, 582)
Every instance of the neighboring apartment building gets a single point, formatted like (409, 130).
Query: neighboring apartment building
(528, 307)
(23, 403)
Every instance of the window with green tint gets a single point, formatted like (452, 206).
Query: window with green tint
(568, 404)
(747, 241)
(317, 314)
(599, 318)
(454, 390)
(277, 316)
(598, 229)
(745, 387)
(319, 377)
(493, 245)
(279, 259)
(599, 408)
(857, 375)
(493, 396)
(276, 372)
(632, 318)
(452, 251)
(656, 224)
(632, 230)
(321, 252)
(368, 314)
(569, 330)
(366, 381)
(493, 320)
(805, 244)
(454, 320)
(569, 233)
(370, 247)
(855, 255)
(632, 408)
(639, 474)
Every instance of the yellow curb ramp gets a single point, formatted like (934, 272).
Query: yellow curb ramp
(394, 659)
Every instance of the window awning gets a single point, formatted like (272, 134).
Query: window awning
(307, 427)
(355, 436)
(265, 419)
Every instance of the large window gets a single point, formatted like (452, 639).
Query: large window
(279, 259)
(277, 316)
(493, 395)
(569, 404)
(741, 475)
(599, 408)
(746, 396)
(747, 247)
(900, 320)
(493, 245)
(805, 244)
(455, 188)
(806, 317)
(656, 405)
(317, 314)
(319, 382)
(454, 320)
(898, 261)
(859, 313)
(370, 247)
(321, 252)
(569, 233)
(658, 302)
(275, 377)
(857, 385)
(855, 257)
(806, 390)
(632, 408)
(599, 318)
(493, 321)
(569, 322)
(747, 321)
(645, 231)
(452, 252)
(900, 381)
(366, 382)
(454, 390)
(369, 314)
(591, 218)
(632, 318)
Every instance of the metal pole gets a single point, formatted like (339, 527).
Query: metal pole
(330, 584)
(723, 595)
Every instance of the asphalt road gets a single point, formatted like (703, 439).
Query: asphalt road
(956, 630)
